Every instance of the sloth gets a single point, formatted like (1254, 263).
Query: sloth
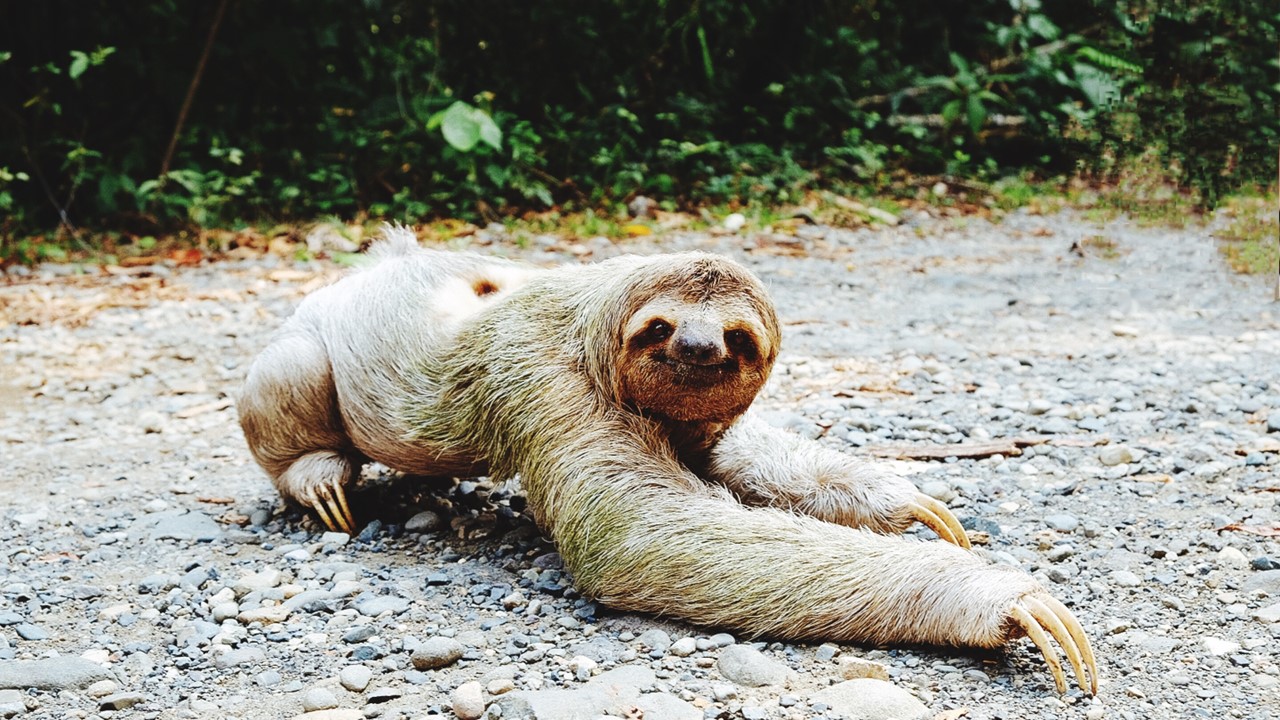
(620, 394)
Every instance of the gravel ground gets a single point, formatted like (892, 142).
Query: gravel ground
(151, 571)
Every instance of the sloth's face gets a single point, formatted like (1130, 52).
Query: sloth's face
(696, 358)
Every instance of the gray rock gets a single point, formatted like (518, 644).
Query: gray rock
(181, 525)
(684, 647)
(121, 701)
(1273, 422)
(372, 605)
(337, 539)
(1125, 578)
(1147, 642)
(27, 631)
(436, 652)
(56, 673)
(1267, 581)
(868, 699)
(1268, 614)
(359, 633)
(1115, 455)
(102, 688)
(1230, 557)
(610, 693)
(656, 640)
(240, 656)
(667, 707)
(355, 677)
(156, 583)
(938, 490)
(1039, 406)
(1062, 522)
(747, 666)
(638, 677)
(423, 522)
(12, 702)
(264, 579)
(318, 698)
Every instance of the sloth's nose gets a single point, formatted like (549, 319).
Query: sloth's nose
(697, 348)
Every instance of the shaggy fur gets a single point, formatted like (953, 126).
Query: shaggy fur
(619, 393)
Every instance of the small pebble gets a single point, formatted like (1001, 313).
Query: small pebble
(467, 701)
(318, 698)
(684, 647)
(1115, 455)
(120, 701)
(436, 652)
(1232, 558)
(1062, 522)
(355, 677)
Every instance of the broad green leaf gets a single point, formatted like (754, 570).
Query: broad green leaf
(489, 131)
(463, 126)
(79, 63)
(1098, 87)
(951, 111)
(459, 127)
(977, 113)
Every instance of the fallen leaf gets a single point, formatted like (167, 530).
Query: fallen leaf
(215, 500)
(1268, 530)
(187, 256)
(637, 230)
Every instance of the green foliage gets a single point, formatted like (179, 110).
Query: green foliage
(1250, 238)
(415, 110)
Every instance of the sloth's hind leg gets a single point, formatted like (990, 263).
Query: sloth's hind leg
(289, 412)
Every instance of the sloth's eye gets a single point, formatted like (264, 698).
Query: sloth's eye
(659, 330)
(739, 341)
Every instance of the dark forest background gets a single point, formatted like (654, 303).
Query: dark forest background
(413, 110)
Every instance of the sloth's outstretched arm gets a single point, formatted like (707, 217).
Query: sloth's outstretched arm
(764, 465)
(640, 533)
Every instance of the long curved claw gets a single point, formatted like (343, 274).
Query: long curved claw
(938, 518)
(330, 503)
(335, 502)
(1036, 614)
(1033, 631)
(1078, 638)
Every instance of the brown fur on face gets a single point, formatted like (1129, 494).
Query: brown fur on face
(701, 349)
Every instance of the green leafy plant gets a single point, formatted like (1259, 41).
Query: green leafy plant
(421, 110)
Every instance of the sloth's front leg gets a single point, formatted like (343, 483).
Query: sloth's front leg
(765, 466)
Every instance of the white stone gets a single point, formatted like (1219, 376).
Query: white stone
(1231, 557)
(467, 701)
(355, 677)
(1218, 646)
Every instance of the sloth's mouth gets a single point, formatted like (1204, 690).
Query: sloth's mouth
(683, 373)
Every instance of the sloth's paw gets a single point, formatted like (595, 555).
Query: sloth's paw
(316, 481)
(1036, 613)
(938, 518)
(329, 501)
